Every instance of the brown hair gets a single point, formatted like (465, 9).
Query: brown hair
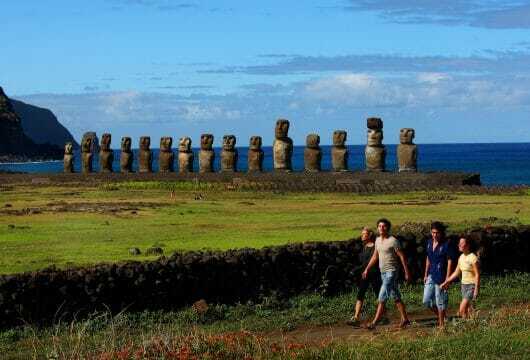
(371, 234)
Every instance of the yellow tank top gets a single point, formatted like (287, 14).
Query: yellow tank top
(465, 264)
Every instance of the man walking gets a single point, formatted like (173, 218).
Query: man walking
(388, 252)
(438, 266)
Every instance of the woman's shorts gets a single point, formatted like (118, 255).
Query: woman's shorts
(467, 291)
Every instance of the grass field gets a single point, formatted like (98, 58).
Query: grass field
(500, 330)
(65, 226)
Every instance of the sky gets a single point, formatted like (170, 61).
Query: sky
(456, 71)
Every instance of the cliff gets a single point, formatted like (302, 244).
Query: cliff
(41, 125)
(15, 145)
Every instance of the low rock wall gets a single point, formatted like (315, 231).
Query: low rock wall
(223, 277)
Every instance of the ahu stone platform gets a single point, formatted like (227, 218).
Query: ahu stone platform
(355, 182)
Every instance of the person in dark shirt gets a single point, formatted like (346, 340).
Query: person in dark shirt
(441, 258)
(372, 280)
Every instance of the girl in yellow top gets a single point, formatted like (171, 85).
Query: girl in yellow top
(468, 267)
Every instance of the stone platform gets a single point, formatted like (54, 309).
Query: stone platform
(357, 182)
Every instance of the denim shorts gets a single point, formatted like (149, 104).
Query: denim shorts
(467, 291)
(389, 288)
(434, 295)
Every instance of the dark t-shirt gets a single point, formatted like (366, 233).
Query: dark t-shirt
(365, 256)
(438, 259)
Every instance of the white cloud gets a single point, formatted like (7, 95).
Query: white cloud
(432, 77)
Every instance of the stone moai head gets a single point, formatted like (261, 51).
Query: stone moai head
(206, 141)
(375, 137)
(229, 143)
(86, 145)
(165, 143)
(255, 143)
(145, 143)
(185, 144)
(313, 141)
(105, 141)
(282, 129)
(126, 144)
(339, 138)
(406, 136)
(68, 148)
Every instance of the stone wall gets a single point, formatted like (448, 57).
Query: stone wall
(223, 277)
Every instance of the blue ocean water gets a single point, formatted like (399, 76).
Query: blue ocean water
(498, 164)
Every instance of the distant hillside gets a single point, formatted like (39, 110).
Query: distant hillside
(15, 145)
(41, 125)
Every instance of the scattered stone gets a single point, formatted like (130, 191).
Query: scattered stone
(154, 251)
(10, 226)
(200, 306)
(134, 251)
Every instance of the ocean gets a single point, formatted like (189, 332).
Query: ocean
(498, 164)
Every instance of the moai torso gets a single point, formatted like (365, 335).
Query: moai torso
(229, 154)
(255, 154)
(145, 160)
(206, 155)
(339, 152)
(185, 155)
(166, 157)
(375, 151)
(407, 151)
(68, 158)
(126, 155)
(86, 155)
(106, 155)
(282, 147)
(312, 153)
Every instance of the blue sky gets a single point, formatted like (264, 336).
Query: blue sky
(457, 71)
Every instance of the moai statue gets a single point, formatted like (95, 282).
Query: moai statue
(407, 151)
(68, 158)
(185, 155)
(375, 151)
(86, 155)
(282, 147)
(312, 153)
(145, 161)
(166, 156)
(255, 155)
(106, 155)
(206, 155)
(229, 154)
(339, 152)
(126, 156)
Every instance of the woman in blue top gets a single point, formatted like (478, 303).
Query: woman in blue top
(441, 257)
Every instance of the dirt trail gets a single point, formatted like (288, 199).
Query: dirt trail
(422, 324)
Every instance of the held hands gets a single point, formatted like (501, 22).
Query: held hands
(407, 277)
(445, 285)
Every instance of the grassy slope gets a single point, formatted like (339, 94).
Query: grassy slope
(501, 331)
(220, 220)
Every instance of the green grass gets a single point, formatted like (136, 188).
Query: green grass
(191, 216)
(502, 330)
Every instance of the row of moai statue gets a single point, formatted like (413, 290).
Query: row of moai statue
(375, 152)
